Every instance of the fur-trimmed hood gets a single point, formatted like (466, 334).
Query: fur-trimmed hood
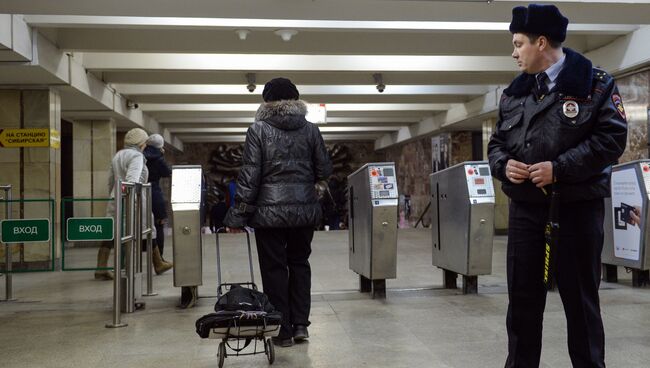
(575, 78)
(284, 114)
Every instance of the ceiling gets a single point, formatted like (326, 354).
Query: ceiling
(443, 63)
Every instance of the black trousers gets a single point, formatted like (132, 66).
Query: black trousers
(286, 274)
(577, 277)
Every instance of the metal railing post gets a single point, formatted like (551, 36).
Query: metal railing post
(117, 266)
(138, 228)
(132, 247)
(149, 232)
(9, 283)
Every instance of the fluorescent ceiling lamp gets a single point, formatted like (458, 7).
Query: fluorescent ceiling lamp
(316, 113)
(82, 21)
(324, 129)
(116, 61)
(305, 90)
(249, 120)
(235, 107)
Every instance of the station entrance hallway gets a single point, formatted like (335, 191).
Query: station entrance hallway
(58, 320)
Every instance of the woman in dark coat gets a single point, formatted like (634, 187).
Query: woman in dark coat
(158, 169)
(284, 157)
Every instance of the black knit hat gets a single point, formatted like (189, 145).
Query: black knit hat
(280, 89)
(543, 20)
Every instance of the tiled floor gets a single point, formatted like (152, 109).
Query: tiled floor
(59, 318)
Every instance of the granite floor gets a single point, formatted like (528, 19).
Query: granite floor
(58, 320)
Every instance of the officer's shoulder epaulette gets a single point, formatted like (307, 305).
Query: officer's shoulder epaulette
(601, 75)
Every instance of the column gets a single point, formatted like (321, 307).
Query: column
(34, 172)
(94, 147)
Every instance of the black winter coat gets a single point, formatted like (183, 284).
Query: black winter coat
(158, 168)
(582, 148)
(284, 156)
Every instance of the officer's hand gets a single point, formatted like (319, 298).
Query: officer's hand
(541, 174)
(517, 172)
(233, 230)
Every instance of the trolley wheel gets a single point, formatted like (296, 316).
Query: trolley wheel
(270, 351)
(222, 353)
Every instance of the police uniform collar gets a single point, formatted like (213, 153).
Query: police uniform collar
(575, 79)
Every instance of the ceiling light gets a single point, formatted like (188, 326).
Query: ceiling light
(242, 33)
(286, 34)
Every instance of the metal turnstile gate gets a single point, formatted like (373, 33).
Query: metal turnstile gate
(186, 205)
(462, 222)
(626, 222)
(372, 212)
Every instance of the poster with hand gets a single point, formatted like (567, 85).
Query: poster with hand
(627, 202)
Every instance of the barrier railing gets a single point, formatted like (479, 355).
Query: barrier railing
(148, 232)
(83, 229)
(16, 232)
(127, 229)
(124, 192)
(9, 290)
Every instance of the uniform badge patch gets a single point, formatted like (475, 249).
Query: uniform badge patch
(618, 103)
(570, 109)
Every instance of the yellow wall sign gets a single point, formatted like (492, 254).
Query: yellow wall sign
(33, 137)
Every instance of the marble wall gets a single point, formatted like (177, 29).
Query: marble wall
(635, 92)
(34, 172)
(413, 163)
(94, 147)
(348, 157)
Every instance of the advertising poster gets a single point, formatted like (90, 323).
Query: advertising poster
(440, 149)
(627, 208)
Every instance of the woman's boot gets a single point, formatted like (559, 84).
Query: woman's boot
(159, 265)
(102, 262)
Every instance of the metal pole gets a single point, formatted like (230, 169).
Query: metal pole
(149, 244)
(117, 244)
(9, 284)
(132, 250)
(138, 228)
(250, 257)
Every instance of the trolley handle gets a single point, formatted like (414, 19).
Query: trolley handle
(250, 259)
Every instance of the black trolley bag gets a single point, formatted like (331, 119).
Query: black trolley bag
(243, 315)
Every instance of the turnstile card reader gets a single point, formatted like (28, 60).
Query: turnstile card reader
(462, 219)
(186, 204)
(373, 204)
(626, 217)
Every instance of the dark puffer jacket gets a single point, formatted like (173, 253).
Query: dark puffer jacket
(581, 148)
(284, 156)
(158, 168)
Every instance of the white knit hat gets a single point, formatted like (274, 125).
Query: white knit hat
(156, 140)
(135, 137)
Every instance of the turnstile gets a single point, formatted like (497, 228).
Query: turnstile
(372, 211)
(462, 222)
(186, 204)
(626, 222)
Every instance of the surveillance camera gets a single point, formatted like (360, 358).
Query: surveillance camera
(132, 105)
(250, 78)
(379, 80)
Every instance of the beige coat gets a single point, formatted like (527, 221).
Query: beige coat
(129, 165)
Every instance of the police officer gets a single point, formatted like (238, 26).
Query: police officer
(561, 127)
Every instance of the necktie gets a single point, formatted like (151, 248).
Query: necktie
(541, 89)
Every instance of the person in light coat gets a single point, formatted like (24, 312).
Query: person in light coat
(129, 165)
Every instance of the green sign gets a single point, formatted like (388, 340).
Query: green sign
(25, 231)
(89, 228)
